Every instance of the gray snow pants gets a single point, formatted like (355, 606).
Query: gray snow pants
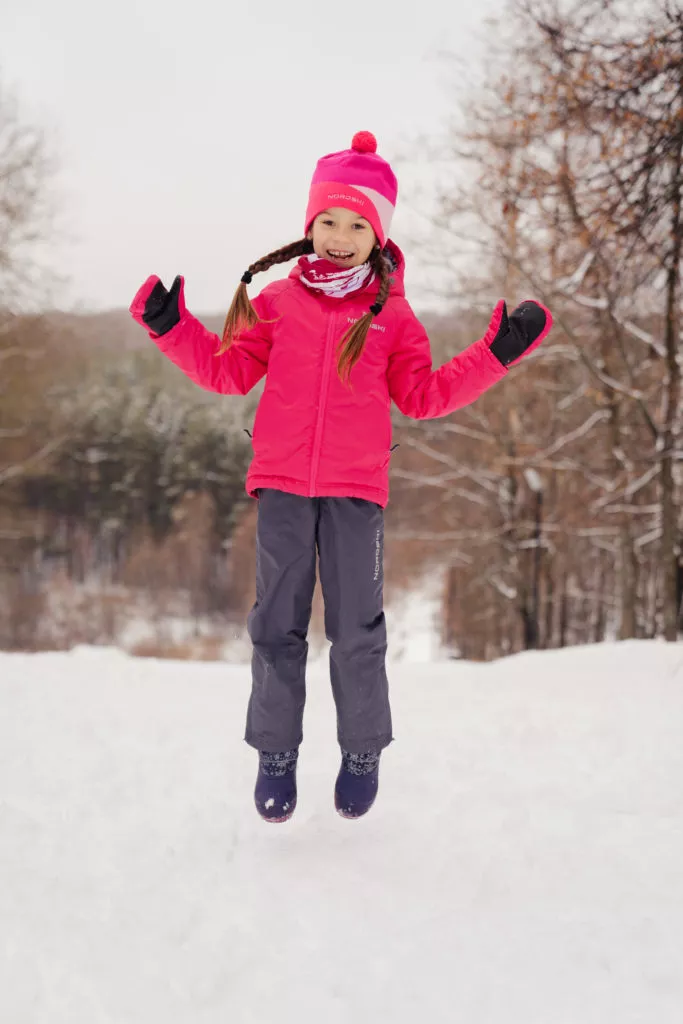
(349, 536)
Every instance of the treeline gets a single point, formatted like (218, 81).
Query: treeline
(556, 500)
(551, 508)
(107, 460)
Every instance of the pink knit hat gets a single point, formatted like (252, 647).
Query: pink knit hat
(357, 179)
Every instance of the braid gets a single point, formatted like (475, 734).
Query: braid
(351, 345)
(384, 279)
(283, 255)
(242, 315)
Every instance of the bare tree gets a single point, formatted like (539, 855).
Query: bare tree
(573, 195)
(26, 228)
(26, 211)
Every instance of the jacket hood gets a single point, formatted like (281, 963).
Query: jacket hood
(397, 273)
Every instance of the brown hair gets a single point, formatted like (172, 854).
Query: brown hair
(242, 315)
(351, 346)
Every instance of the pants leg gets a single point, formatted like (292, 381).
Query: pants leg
(351, 549)
(279, 620)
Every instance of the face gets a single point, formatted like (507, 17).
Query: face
(342, 237)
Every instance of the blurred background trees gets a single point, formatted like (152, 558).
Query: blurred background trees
(550, 510)
(559, 492)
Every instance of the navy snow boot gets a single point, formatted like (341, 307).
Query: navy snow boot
(275, 793)
(356, 788)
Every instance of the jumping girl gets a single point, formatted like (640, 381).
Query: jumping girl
(337, 342)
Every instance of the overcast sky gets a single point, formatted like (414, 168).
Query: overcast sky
(187, 133)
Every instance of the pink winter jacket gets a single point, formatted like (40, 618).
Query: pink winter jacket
(314, 435)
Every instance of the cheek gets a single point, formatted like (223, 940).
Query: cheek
(367, 246)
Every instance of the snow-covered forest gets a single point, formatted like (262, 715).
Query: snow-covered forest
(550, 509)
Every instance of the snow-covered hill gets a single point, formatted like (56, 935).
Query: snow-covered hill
(523, 864)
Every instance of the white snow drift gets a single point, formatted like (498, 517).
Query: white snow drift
(523, 863)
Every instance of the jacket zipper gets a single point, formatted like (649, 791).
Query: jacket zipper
(327, 361)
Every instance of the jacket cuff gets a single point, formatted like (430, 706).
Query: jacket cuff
(137, 306)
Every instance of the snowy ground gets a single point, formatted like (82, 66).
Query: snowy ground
(523, 864)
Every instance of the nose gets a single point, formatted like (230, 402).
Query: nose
(342, 239)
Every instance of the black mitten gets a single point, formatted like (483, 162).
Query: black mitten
(518, 332)
(161, 312)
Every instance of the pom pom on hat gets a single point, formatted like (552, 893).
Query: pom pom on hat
(364, 142)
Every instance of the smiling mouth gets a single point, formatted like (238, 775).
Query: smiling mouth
(340, 254)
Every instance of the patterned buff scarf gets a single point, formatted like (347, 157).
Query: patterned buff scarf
(323, 276)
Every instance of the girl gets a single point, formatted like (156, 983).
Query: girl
(337, 342)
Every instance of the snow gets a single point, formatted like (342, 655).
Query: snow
(575, 280)
(129, 620)
(533, 479)
(523, 863)
(414, 622)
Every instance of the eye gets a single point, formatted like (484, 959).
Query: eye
(328, 222)
(359, 227)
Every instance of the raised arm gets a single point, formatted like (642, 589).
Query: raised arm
(424, 393)
(193, 348)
